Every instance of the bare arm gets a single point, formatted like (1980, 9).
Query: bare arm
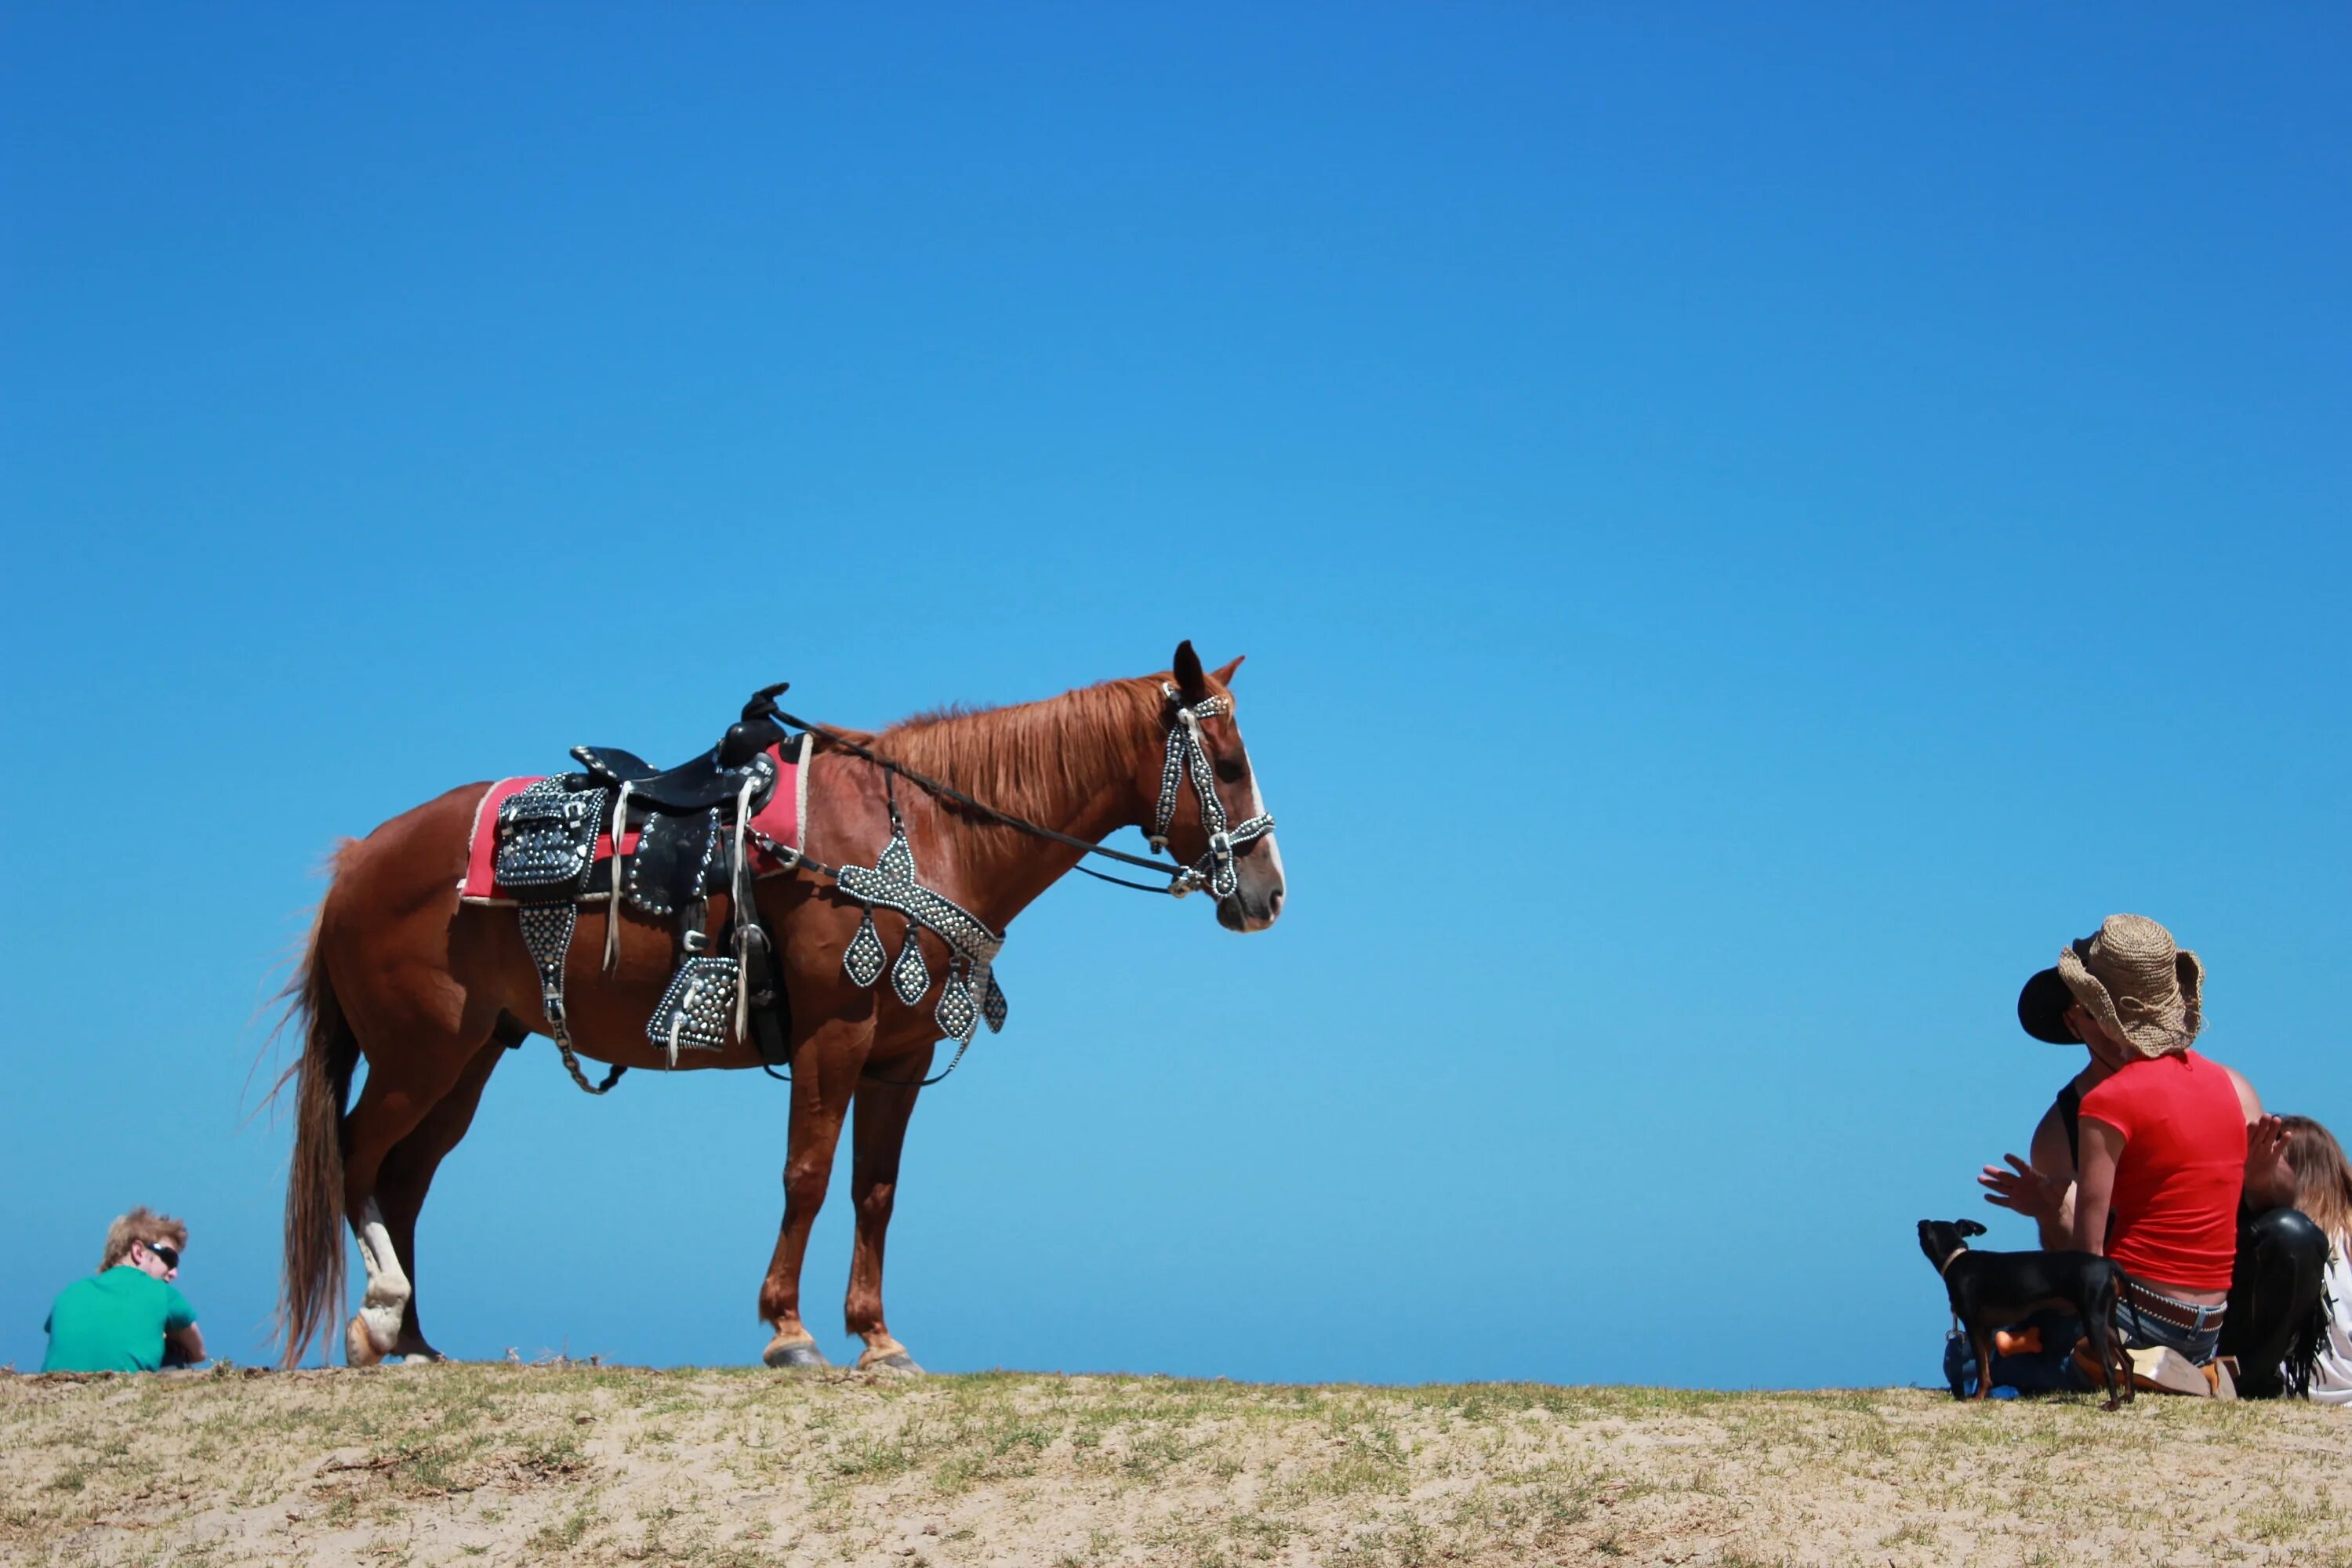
(2095, 1184)
(2269, 1179)
(2043, 1190)
(189, 1341)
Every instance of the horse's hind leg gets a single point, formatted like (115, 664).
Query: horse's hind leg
(398, 1097)
(407, 1175)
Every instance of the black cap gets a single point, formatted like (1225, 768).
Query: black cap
(2041, 1008)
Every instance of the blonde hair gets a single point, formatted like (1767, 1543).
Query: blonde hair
(145, 1226)
(2322, 1180)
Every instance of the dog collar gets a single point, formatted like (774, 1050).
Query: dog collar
(1944, 1267)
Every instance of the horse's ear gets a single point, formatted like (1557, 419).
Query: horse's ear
(1191, 684)
(1226, 677)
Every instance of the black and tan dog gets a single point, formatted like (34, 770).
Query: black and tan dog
(1990, 1290)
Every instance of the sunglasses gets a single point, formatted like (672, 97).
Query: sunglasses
(164, 1252)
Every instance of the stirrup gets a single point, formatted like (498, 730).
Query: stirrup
(694, 1012)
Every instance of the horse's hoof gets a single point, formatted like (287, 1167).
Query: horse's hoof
(782, 1352)
(890, 1361)
(359, 1348)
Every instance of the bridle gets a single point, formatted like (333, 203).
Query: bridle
(1188, 754)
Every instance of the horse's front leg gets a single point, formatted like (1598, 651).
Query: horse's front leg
(824, 1076)
(885, 1101)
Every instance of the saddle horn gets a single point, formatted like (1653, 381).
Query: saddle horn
(763, 701)
(756, 730)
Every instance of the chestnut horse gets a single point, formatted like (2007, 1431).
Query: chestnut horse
(431, 993)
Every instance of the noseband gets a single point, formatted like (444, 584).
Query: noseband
(1188, 754)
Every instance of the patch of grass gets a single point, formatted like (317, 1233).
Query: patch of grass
(565, 1533)
(1369, 1459)
(2284, 1518)
(868, 1460)
(1151, 1453)
(554, 1456)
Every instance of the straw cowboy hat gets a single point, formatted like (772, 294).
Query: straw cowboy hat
(2144, 989)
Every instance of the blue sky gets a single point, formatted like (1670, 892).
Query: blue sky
(1750, 526)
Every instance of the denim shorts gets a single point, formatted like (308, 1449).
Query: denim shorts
(2141, 1331)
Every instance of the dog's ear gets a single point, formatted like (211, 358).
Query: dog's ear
(1969, 1228)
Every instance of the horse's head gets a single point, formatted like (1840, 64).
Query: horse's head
(1207, 811)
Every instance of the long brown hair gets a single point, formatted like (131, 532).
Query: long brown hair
(2322, 1180)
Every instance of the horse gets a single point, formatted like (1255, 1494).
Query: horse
(430, 991)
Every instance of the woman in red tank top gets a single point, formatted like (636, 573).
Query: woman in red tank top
(2140, 1138)
(2163, 1138)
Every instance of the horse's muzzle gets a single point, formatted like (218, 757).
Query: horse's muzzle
(1256, 904)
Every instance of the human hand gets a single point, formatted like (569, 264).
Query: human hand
(2266, 1142)
(2023, 1189)
(2269, 1179)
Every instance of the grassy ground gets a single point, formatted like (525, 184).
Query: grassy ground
(504, 1463)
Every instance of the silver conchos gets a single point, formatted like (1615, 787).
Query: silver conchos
(547, 929)
(890, 884)
(910, 976)
(547, 837)
(546, 935)
(957, 1014)
(864, 959)
(695, 1011)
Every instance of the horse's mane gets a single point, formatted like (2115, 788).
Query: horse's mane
(1032, 759)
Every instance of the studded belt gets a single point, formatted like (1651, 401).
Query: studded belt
(2187, 1315)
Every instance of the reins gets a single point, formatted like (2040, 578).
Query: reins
(1184, 747)
(1187, 758)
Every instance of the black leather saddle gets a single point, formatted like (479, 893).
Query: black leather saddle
(684, 853)
(715, 778)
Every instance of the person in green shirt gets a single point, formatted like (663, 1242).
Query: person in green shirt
(129, 1315)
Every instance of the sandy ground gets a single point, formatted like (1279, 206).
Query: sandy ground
(499, 1464)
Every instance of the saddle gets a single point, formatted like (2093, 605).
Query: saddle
(711, 779)
(661, 841)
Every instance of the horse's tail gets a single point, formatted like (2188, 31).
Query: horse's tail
(311, 1293)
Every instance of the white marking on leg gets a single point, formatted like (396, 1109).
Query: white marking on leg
(387, 1287)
